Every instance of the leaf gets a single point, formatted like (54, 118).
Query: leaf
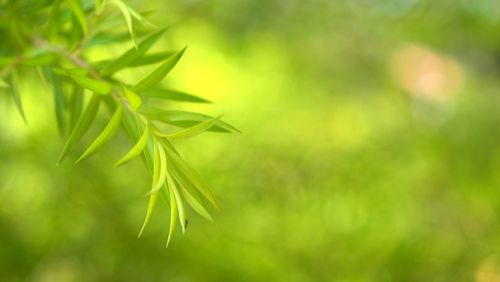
(132, 54)
(153, 199)
(4, 84)
(185, 119)
(162, 171)
(169, 94)
(58, 102)
(75, 106)
(106, 134)
(192, 200)
(96, 86)
(76, 8)
(173, 215)
(151, 59)
(39, 59)
(159, 73)
(178, 200)
(196, 205)
(81, 126)
(16, 95)
(136, 150)
(133, 99)
(189, 175)
(194, 130)
(128, 18)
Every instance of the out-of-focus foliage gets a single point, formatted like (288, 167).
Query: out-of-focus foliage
(370, 152)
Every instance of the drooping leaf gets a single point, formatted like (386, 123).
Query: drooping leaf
(108, 132)
(137, 149)
(160, 181)
(76, 8)
(151, 59)
(59, 102)
(180, 206)
(189, 175)
(159, 73)
(96, 86)
(153, 199)
(169, 94)
(194, 130)
(133, 99)
(132, 54)
(16, 95)
(128, 19)
(185, 119)
(173, 215)
(190, 197)
(75, 106)
(81, 126)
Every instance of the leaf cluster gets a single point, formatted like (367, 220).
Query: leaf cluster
(53, 39)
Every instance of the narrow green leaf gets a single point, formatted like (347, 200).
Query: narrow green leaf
(75, 106)
(173, 215)
(185, 119)
(106, 134)
(196, 205)
(194, 130)
(153, 199)
(137, 149)
(162, 171)
(151, 59)
(16, 95)
(39, 59)
(141, 19)
(58, 102)
(96, 86)
(133, 99)
(132, 54)
(76, 8)
(159, 73)
(168, 94)
(186, 172)
(178, 200)
(81, 126)
(128, 18)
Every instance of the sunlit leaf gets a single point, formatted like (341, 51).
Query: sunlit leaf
(159, 73)
(81, 126)
(153, 199)
(192, 200)
(108, 132)
(133, 99)
(96, 86)
(169, 94)
(132, 54)
(193, 130)
(185, 119)
(186, 172)
(128, 19)
(162, 171)
(76, 8)
(59, 102)
(137, 149)
(180, 206)
(16, 95)
(75, 106)
(173, 215)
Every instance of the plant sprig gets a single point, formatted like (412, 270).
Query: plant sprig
(57, 34)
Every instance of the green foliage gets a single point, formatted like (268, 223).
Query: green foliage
(54, 37)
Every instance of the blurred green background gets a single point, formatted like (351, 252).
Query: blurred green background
(370, 152)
